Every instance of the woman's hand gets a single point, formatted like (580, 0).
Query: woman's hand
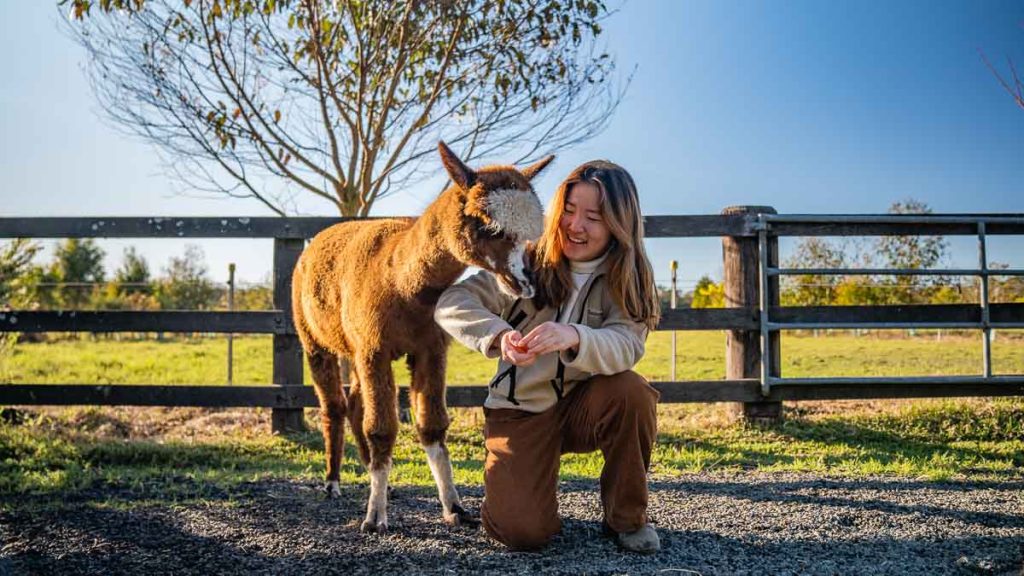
(550, 337)
(513, 351)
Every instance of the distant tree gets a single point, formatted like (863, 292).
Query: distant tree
(15, 263)
(812, 289)
(133, 275)
(686, 300)
(39, 288)
(949, 294)
(254, 298)
(1005, 288)
(110, 297)
(344, 100)
(79, 260)
(16, 289)
(185, 285)
(914, 253)
(683, 300)
(78, 265)
(906, 252)
(860, 291)
(708, 294)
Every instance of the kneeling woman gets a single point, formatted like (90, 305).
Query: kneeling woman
(565, 381)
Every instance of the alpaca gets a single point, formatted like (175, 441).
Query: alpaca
(365, 291)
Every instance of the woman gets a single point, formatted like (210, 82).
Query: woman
(564, 383)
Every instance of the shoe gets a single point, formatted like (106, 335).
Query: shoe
(643, 541)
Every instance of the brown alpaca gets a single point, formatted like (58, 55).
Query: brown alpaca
(365, 291)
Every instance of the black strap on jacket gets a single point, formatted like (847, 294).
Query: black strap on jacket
(514, 317)
(558, 382)
(511, 373)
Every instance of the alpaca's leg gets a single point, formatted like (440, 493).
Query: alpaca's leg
(355, 410)
(428, 402)
(324, 368)
(380, 426)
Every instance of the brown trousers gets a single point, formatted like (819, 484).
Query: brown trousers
(616, 414)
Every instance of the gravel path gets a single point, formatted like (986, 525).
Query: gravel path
(709, 524)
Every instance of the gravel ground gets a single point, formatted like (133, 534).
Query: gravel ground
(741, 523)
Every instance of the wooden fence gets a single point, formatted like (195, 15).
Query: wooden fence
(753, 317)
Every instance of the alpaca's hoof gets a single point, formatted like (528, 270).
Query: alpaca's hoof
(332, 490)
(376, 520)
(369, 526)
(459, 516)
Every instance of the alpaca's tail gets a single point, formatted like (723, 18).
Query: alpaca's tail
(355, 413)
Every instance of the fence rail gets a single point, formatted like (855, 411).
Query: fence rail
(303, 228)
(753, 319)
(925, 316)
(694, 391)
(261, 322)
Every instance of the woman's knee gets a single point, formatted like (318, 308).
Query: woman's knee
(522, 530)
(628, 390)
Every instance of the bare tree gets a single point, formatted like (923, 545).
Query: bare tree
(1011, 83)
(344, 99)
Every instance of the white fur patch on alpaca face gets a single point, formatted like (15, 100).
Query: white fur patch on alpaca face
(517, 213)
(517, 268)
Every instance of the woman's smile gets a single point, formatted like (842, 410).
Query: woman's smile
(583, 225)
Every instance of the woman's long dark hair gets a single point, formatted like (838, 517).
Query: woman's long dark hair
(630, 276)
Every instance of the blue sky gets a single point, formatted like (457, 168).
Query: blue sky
(811, 107)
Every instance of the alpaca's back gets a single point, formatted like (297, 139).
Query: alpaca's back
(339, 278)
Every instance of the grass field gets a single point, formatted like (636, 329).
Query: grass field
(148, 451)
(701, 356)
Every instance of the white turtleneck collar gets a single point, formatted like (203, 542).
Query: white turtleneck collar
(589, 266)
(581, 272)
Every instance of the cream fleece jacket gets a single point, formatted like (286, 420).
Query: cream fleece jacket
(475, 311)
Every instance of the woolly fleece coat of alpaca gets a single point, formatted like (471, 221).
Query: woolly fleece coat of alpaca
(402, 266)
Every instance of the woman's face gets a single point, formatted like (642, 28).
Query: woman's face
(582, 225)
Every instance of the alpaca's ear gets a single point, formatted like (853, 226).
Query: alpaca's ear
(531, 171)
(459, 172)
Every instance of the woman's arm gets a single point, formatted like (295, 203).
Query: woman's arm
(615, 347)
(470, 311)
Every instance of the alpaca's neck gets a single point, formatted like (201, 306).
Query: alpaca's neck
(423, 261)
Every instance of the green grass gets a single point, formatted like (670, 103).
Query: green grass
(938, 439)
(701, 356)
(63, 451)
(139, 454)
(107, 361)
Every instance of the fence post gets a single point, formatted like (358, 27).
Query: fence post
(231, 337)
(672, 305)
(287, 349)
(740, 283)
